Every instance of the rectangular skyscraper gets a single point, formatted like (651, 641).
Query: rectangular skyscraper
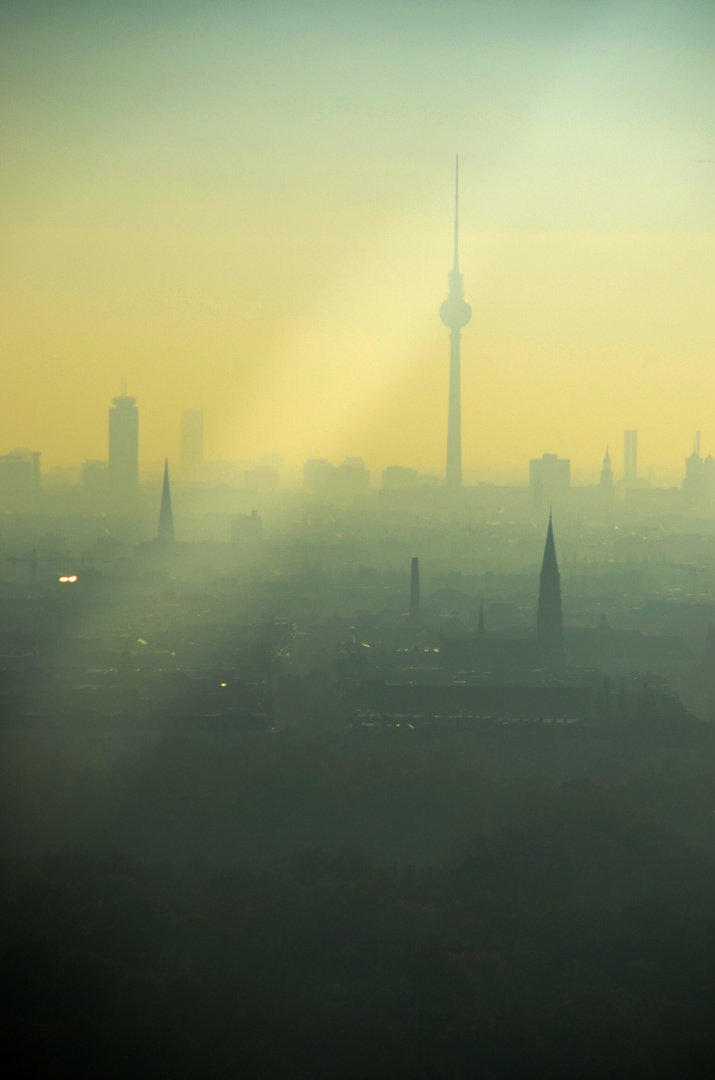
(630, 456)
(123, 471)
(192, 441)
(549, 480)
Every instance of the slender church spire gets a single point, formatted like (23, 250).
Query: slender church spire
(166, 517)
(606, 471)
(455, 314)
(549, 623)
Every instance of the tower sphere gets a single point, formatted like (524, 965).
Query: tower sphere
(455, 312)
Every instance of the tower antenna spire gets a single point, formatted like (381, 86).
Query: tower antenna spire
(456, 214)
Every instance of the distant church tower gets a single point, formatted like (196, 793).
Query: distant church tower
(166, 517)
(549, 624)
(606, 472)
(455, 313)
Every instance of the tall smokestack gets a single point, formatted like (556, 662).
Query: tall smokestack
(415, 592)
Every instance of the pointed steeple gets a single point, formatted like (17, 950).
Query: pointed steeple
(606, 471)
(549, 563)
(166, 517)
(481, 630)
(549, 624)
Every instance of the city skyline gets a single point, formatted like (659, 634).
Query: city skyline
(203, 230)
(357, 633)
(191, 458)
(627, 472)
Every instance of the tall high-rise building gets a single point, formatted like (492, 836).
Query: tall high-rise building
(549, 622)
(630, 456)
(549, 480)
(606, 471)
(123, 469)
(192, 441)
(455, 313)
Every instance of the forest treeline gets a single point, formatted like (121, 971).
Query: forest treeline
(326, 965)
(401, 800)
(298, 908)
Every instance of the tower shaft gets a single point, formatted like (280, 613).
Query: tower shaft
(454, 418)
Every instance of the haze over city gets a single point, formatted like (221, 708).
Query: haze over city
(246, 208)
(357, 540)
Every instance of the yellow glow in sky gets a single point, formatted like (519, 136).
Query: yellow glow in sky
(247, 209)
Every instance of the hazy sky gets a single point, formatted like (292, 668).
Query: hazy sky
(246, 208)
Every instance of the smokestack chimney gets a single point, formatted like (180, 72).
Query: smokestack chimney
(415, 592)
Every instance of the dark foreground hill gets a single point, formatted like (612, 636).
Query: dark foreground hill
(328, 965)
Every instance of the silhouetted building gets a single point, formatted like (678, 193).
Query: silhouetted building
(19, 479)
(395, 477)
(549, 622)
(630, 457)
(271, 461)
(166, 516)
(382, 702)
(709, 475)
(455, 313)
(94, 480)
(699, 686)
(123, 470)
(351, 478)
(318, 475)
(461, 651)
(699, 482)
(549, 480)
(615, 651)
(415, 592)
(606, 471)
(192, 441)
(247, 528)
(262, 478)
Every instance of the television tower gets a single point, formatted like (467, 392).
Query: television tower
(455, 313)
